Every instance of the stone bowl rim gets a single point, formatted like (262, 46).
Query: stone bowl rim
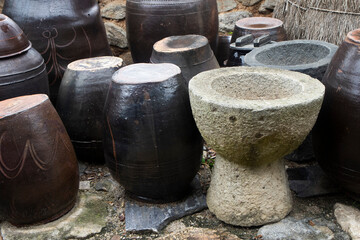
(200, 85)
(250, 58)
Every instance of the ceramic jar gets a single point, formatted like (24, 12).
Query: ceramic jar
(81, 101)
(22, 69)
(38, 168)
(152, 145)
(62, 31)
(191, 53)
(148, 21)
(336, 135)
(258, 26)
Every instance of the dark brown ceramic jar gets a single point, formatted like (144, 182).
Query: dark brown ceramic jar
(81, 101)
(258, 26)
(62, 31)
(191, 53)
(38, 168)
(22, 69)
(152, 145)
(336, 135)
(148, 21)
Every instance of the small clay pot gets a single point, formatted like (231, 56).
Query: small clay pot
(223, 49)
(81, 101)
(38, 168)
(62, 32)
(152, 145)
(22, 69)
(258, 26)
(191, 53)
(148, 21)
(336, 135)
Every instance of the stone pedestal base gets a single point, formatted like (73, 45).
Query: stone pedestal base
(249, 196)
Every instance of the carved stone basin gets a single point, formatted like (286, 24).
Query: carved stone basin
(252, 117)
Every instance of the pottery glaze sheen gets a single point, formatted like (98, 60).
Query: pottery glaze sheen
(62, 31)
(336, 135)
(152, 145)
(148, 21)
(39, 177)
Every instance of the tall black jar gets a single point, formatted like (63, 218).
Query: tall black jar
(62, 31)
(152, 145)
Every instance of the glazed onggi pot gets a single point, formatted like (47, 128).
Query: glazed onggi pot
(148, 21)
(258, 26)
(22, 69)
(152, 146)
(81, 102)
(39, 177)
(62, 31)
(336, 135)
(252, 118)
(191, 53)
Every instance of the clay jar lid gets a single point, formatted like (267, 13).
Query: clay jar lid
(182, 50)
(13, 106)
(141, 73)
(12, 39)
(353, 36)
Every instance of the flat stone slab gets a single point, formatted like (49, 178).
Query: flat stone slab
(310, 181)
(226, 5)
(143, 217)
(304, 229)
(88, 217)
(349, 219)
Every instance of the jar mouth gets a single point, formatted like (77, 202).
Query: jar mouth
(354, 36)
(259, 23)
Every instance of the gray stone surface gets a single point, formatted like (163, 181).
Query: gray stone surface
(192, 233)
(252, 117)
(349, 219)
(116, 35)
(249, 2)
(142, 217)
(114, 10)
(267, 6)
(88, 217)
(306, 56)
(305, 229)
(310, 181)
(227, 20)
(226, 5)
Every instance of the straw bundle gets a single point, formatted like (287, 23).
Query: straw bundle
(326, 20)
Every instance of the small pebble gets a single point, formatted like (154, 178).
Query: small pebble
(122, 217)
(84, 185)
(116, 237)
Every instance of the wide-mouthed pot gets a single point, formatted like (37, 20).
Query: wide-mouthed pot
(38, 168)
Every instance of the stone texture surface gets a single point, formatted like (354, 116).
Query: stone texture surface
(87, 218)
(349, 219)
(192, 233)
(310, 181)
(267, 6)
(226, 5)
(227, 20)
(114, 10)
(140, 217)
(304, 229)
(249, 197)
(116, 35)
(249, 2)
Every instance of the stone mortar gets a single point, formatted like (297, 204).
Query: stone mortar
(252, 117)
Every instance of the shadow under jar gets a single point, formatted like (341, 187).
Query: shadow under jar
(81, 102)
(191, 53)
(22, 69)
(148, 21)
(62, 31)
(39, 177)
(152, 145)
(336, 135)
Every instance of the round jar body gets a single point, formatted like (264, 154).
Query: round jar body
(336, 135)
(38, 169)
(62, 31)
(152, 145)
(148, 21)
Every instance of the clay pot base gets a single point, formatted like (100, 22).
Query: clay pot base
(180, 43)
(95, 64)
(170, 199)
(19, 104)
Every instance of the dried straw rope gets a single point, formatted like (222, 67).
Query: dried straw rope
(326, 20)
